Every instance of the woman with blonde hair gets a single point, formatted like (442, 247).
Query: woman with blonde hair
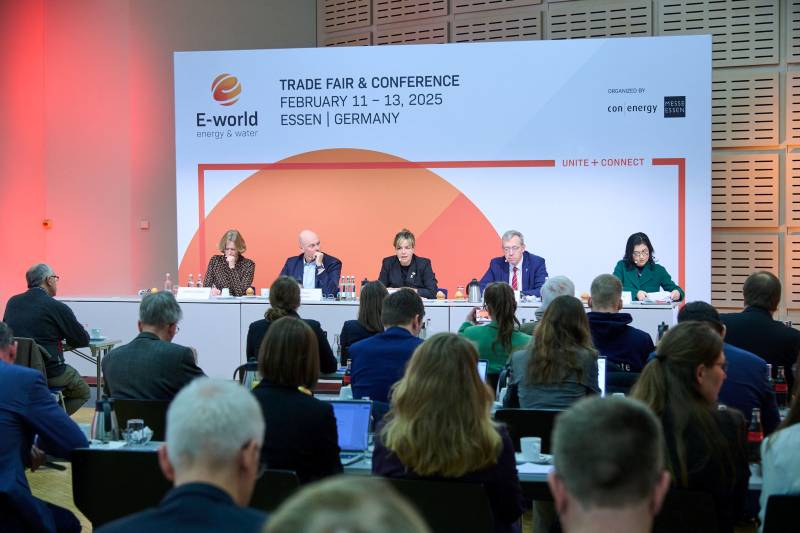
(440, 428)
(231, 270)
(705, 445)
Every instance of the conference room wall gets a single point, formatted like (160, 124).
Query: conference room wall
(87, 137)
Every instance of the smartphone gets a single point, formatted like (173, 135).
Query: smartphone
(482, 316)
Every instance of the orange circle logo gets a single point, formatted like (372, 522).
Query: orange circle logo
(226, 89)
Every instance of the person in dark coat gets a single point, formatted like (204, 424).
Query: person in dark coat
(369, 323)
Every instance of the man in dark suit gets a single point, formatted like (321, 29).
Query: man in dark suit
(313, 269)
(754, 329)
(380, 361)
(214, 435)
(27, 409)
(38, 315)
(151, 367)
(522, 270)
(625, 347)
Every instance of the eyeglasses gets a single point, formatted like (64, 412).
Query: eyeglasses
(509, 249)
(643, 253)
(54, 277)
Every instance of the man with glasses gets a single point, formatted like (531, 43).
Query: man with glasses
(151, 366)
(36, 314)
(215, 431)
(522, 270)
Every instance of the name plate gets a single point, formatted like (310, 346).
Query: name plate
(311, 295)
(194, 293)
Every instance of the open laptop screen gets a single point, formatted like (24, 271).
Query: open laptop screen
(601, 375)
(483, 367)
(352, 423)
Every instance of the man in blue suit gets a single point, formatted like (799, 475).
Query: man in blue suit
(30, 419)
(522, 270)
(313, 269)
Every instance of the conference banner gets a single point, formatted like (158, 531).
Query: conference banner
(577, 144)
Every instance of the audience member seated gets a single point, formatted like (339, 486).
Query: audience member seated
(380, 361)
(780, 458)
(151, 366)
(705, 446)
(36, 314)
(560, 366)
(498, 339)
(746, 385)
(754, 329)
(301, 430)
(370, 307)
(609, 467)
(284, 300)
(552, 289)
(214, 436)
(625, 347)
(346, 504)
(439, 428)
(27, 409)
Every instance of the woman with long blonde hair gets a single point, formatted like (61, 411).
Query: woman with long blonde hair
(440, 427)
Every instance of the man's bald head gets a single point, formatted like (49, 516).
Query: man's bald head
(309, 244)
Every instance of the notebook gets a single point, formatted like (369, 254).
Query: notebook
(352, 424)
(483, 367)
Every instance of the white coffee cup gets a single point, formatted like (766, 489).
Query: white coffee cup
(531, 448)
(225, 292)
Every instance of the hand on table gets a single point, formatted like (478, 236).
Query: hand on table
(215, 291)
(675, 295)
(641, 296)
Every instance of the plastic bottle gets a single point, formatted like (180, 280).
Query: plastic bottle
(191, 281)
(781, 388)
(346, 378)
(199, 280)
(168, 284)
(769, 376)
(755, 434)
(662, 328)
(341, 288)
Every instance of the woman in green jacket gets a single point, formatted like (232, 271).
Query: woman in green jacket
(500, 337)
(639, 272)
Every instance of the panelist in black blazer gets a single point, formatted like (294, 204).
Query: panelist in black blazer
(284, 300)
(301, 432)
(405, 269)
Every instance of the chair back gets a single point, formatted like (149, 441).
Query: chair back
(448, 506)
(31, 355)
(528, 423)
(781, 514)
(687, 511)
(153, 412)
(273, 488)
(110, 484)
(245, 374)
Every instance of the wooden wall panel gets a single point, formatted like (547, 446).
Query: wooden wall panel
(507, 25)
(736, 256)
(588, 18)
(744, 108)
(745, 190)
(342, 15)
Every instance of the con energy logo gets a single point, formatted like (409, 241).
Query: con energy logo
(226, 90)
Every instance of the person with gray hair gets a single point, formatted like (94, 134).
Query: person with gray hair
(347, 504)
(625, 347)
(212, 455)
(522, 270)
(609, 470)
(552, 289)
(151, 366)
(36, 314)
(27, 409)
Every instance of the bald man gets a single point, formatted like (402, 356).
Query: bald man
(313, 269)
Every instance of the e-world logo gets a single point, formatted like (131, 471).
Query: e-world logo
(226, 89)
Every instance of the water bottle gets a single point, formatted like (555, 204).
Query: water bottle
(191, 281)
(168, 284)
(781, 388)
(199, 280)
(769, 377)
(755, 434)
(662, 328)
(341, 288)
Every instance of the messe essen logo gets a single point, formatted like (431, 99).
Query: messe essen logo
(226, 89)
(674, 106)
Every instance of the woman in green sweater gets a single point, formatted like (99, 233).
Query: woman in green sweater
(639, 272)
(500, 337)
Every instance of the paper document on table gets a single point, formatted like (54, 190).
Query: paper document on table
(532, 468)
(659, 297)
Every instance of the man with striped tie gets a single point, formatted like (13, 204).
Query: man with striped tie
(522, 270)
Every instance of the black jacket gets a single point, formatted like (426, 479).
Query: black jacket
(38, 315)
(754, 330)
(258, 330)
(420, 275)
(300, 432)
(148, 368)
(352, 332)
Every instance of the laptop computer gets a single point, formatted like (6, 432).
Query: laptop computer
(483, 368)
(601, 375)
(352, 424)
